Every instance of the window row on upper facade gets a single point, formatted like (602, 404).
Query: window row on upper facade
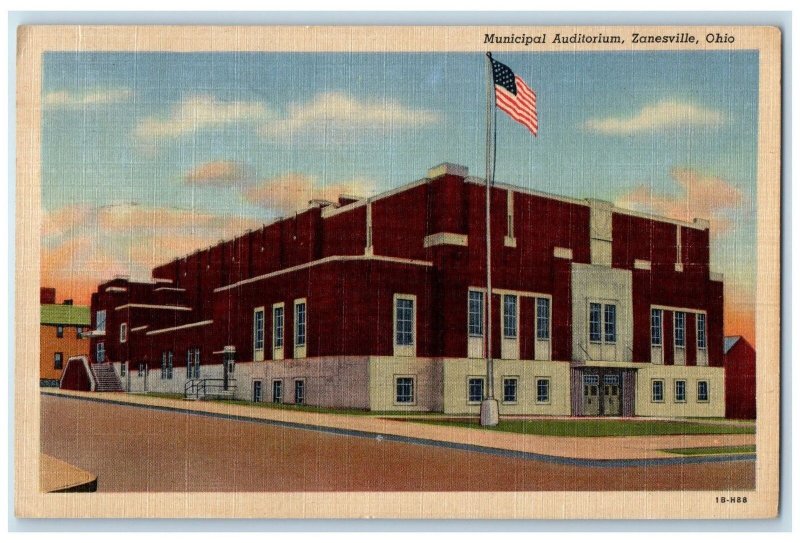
(680, 336)
(278, 330)
(602, 328)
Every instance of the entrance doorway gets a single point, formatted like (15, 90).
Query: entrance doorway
(256, 391)
(602, 393)
(612, 404)
(591, 395)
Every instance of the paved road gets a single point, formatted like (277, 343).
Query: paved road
(134, 449)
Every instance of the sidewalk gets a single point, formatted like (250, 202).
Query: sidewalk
(635, 448)
(58, 476)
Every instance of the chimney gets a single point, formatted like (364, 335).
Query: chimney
(47, 295)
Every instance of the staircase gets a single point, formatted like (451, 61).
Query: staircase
(106, 378)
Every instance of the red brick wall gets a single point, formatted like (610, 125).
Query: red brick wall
(691, 340)
(399, 223)
(669, 338)
(350, 304)
(647, 239)
(345, 233)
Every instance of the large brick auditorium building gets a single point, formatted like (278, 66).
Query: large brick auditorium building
(379, 304)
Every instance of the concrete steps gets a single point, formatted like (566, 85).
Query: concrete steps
(106, 378)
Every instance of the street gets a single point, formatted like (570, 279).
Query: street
(134, 449)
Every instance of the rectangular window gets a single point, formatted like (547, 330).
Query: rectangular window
(680, 329)
(258, 329)
(542, 390)
(256, 391)
(100, 321)
(141, 369)
(475, 313)
(509, 316)
(100, 352)
(591, 380)
(594, 323)
(79, 332)
(166, 365)
(610, 322)
(404, 322)
(58, 361)
(701, 331)
(680, 391)
(300, 324)
(277, 391)
(510, 389)
(404, 390)
(193, 363)
(475, 389)
(277, 327)
(123, 370)
(300, 391)
(656, 316)
(542, 319)
(60, 330)
(702, 391)
(123, 332)
(658, 390)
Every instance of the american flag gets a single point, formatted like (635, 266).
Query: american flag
(514, 96)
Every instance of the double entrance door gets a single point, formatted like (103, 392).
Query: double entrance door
(602, 394)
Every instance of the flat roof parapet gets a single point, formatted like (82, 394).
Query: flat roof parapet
(448, 168)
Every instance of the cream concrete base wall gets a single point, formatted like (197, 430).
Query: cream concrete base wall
(243, 374)
(457, 372)
(153, 382)
(427, 374)
(645, 407)
(330, 381)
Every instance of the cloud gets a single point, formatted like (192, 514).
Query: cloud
(199, 112)
(63, 220)
(68, 100)
(653, 118)
(216, 173)
(126, 239)
(336, 111)
(700, 196)
(292, 192)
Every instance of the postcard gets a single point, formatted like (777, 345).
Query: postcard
(397, 272)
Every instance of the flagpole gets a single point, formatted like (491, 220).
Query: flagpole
(489, 406)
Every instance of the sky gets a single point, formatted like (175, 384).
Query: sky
(149, 156)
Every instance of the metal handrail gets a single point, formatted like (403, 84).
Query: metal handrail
(193, 387)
